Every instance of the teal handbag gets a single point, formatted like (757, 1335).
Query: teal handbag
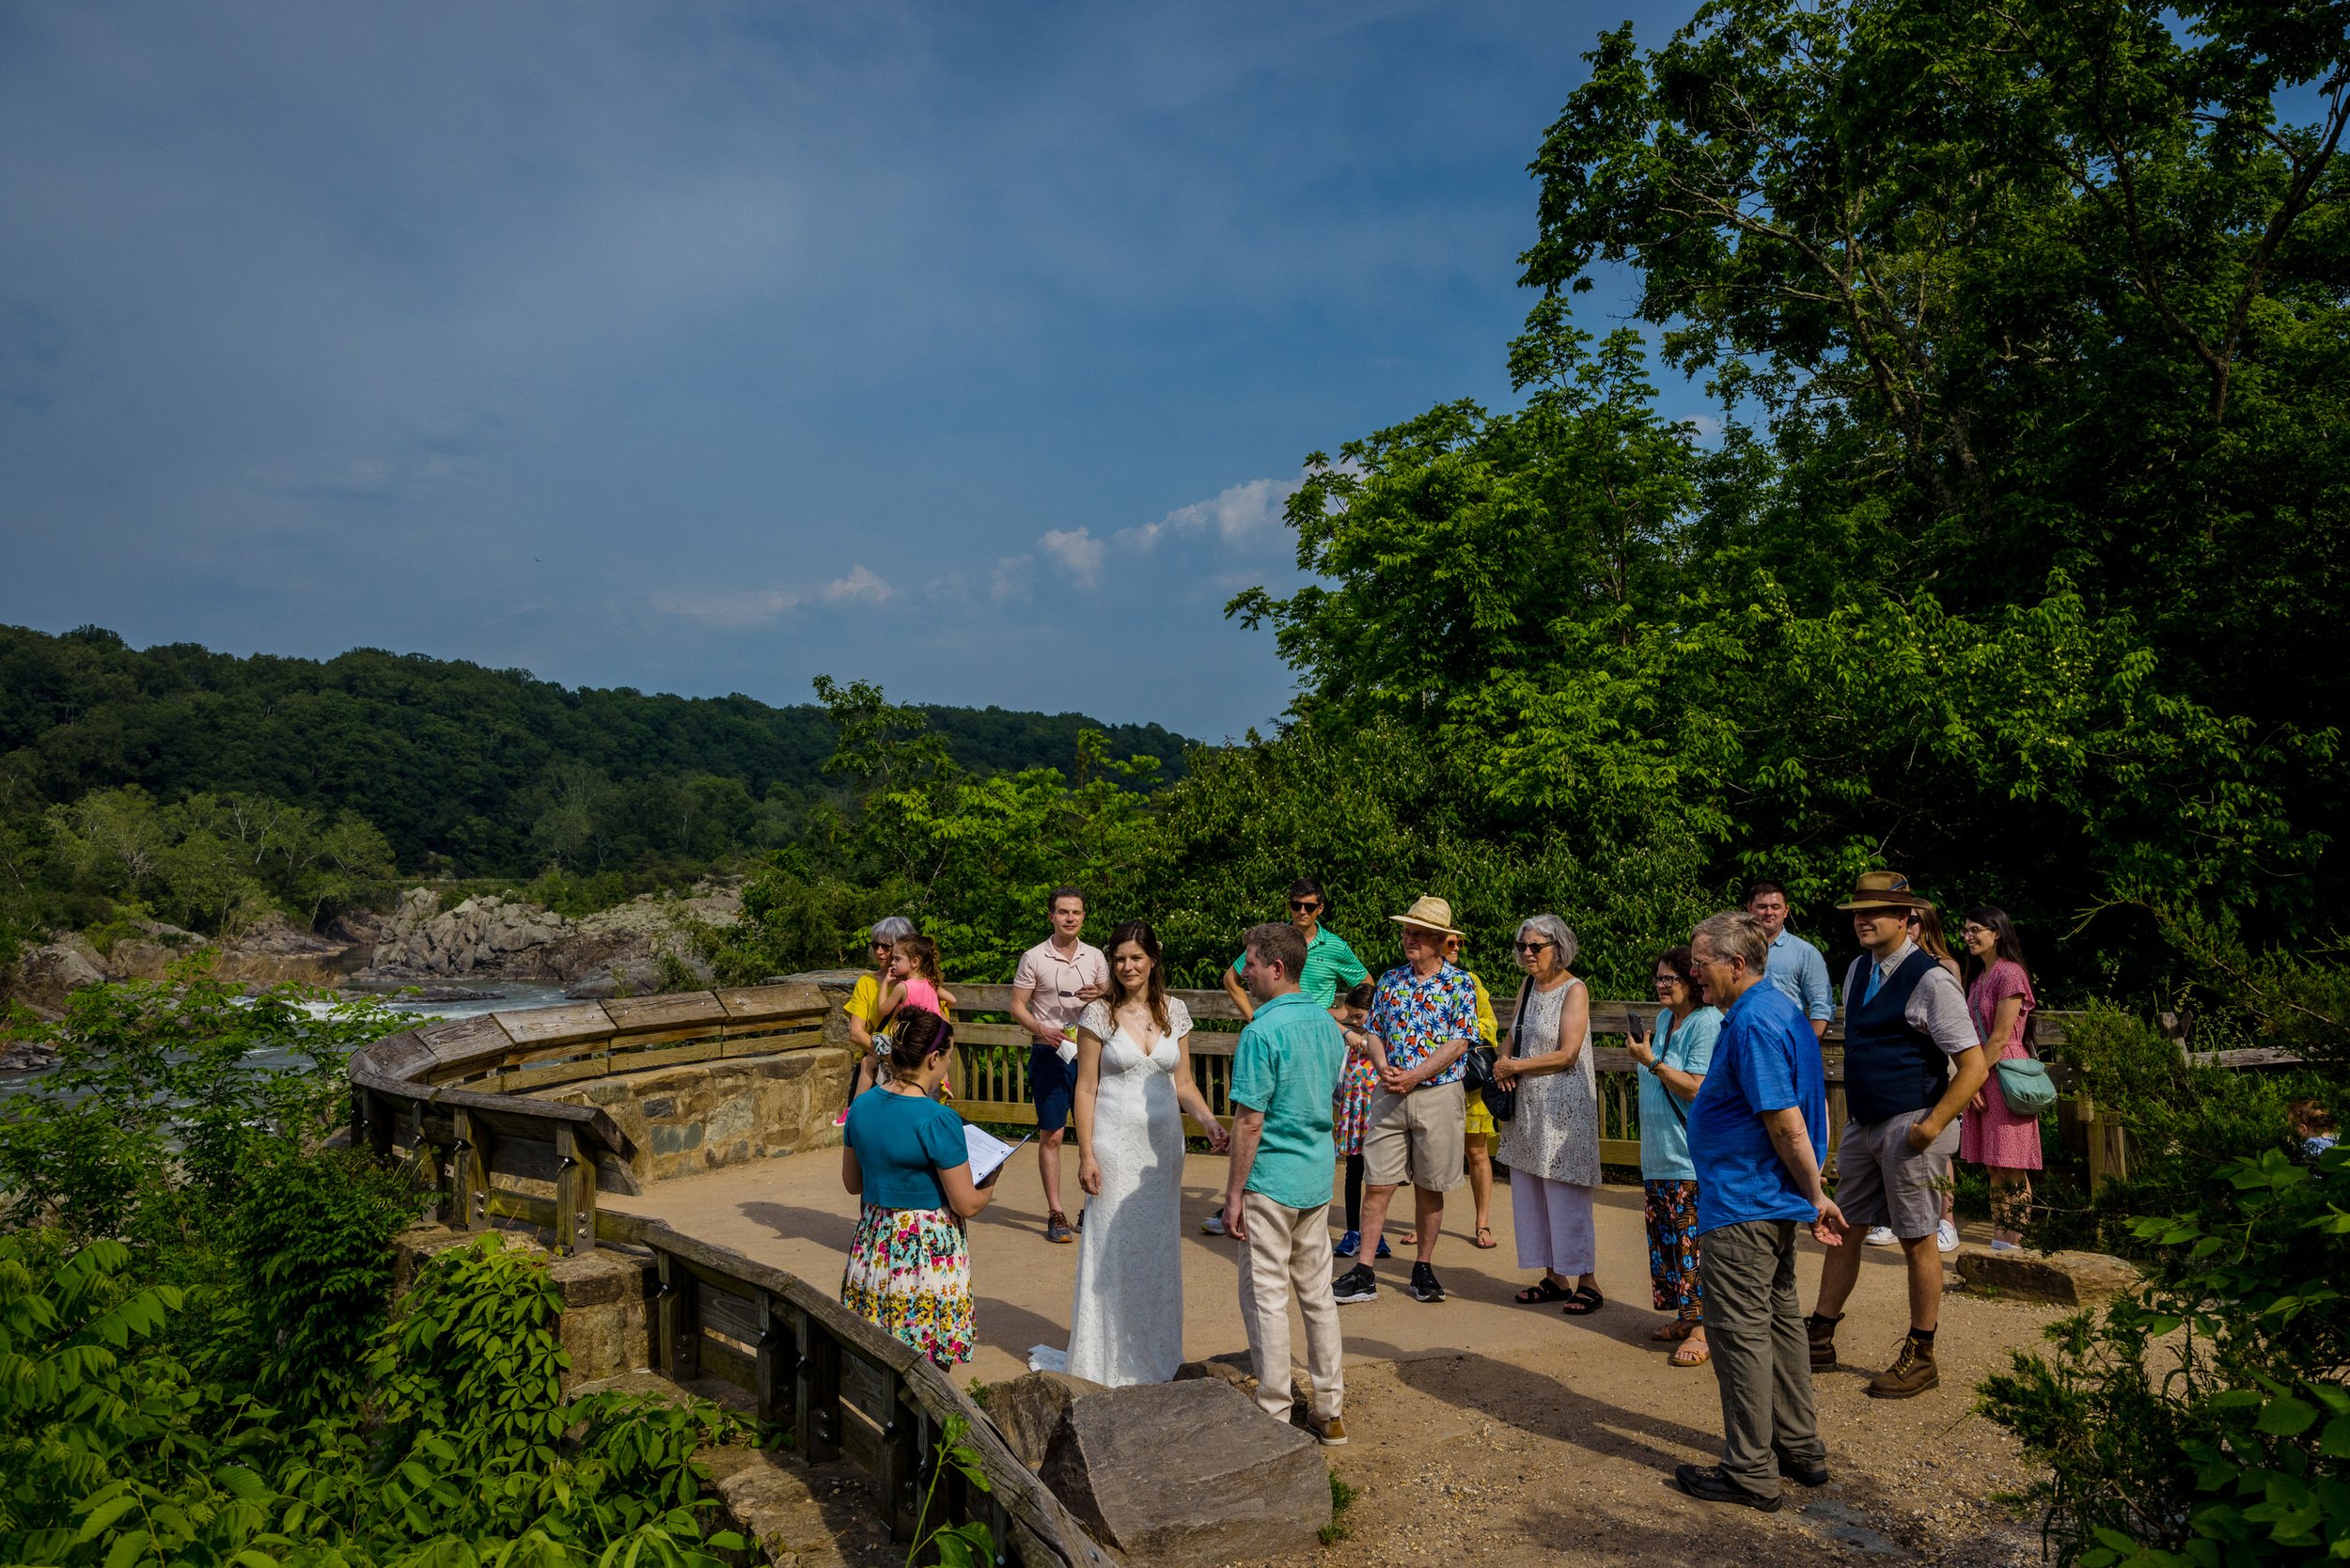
(2025, 1085)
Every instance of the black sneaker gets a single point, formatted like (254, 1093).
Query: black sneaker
(1707, 1483)
(1424, 1286)
(1356, 1284)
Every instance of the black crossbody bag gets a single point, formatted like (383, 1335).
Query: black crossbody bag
(1500, 1102)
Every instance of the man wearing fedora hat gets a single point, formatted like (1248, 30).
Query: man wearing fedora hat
(1423, 1020)
(1911, 1063)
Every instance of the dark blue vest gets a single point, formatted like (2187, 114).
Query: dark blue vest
(1889, 1066)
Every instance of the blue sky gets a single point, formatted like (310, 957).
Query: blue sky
(705, 347)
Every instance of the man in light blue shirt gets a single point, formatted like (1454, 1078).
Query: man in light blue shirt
(1795, 965)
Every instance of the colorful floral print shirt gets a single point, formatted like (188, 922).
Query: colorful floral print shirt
(1418, 1017)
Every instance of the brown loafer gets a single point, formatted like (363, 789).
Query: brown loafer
(1057, 1227)
(1330, 1434)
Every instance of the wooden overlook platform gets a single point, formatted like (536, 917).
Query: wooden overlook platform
(528, 1115)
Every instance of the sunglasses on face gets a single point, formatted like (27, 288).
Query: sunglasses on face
(1534, 947)
(1305, 906)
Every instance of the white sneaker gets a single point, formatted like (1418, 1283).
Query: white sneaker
(1946, 1236)
(1213, 1224)
(1880, 1235)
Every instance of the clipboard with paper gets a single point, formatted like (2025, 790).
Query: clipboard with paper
(988, 1153)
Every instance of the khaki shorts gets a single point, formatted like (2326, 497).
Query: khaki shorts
(1880, 1180)
(1416, 1137)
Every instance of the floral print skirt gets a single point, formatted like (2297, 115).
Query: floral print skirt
(910, 1272)
(1672, 1210)
(1350, 1107)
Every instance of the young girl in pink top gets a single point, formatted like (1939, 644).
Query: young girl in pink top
(2001, 997)
(913, 981)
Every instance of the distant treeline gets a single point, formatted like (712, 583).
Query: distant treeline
(462, 770)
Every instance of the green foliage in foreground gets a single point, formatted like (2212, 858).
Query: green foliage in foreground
(118, 1452)
(196, 1361)
(2206, 1424)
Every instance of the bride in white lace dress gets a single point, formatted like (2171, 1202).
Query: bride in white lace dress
(1134, 1084)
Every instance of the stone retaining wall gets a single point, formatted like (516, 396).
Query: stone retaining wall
(707, 1115)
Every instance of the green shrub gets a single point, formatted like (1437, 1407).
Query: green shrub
(2204, 1423)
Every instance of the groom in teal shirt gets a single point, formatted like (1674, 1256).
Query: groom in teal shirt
(1277, 1200)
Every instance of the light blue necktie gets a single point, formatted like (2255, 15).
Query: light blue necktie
(1876, 978)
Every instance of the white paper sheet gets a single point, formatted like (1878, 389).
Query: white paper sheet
(988, 1153)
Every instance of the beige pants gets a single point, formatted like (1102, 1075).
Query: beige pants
(1287, 1253)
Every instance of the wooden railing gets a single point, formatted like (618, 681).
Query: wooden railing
(992, 1067)
(458, 1095)
(839, 1388)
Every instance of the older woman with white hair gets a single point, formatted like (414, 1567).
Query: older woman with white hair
(863, 1008)
(1551, 1145)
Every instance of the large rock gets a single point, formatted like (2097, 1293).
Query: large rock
(490, 937)
(2067, 1279)
(1030, 1410)
(1185, 1474)
(46, 976)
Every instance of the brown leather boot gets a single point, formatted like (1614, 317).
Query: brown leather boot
(1912, 1372)
(1822, 1332)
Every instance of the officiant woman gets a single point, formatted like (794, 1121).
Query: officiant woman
(910, 1266)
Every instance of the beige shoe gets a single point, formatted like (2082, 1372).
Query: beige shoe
(1330, 1434)
(1912, 1373)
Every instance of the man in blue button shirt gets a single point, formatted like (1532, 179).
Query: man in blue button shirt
(1795, 965)
(1756, 1129)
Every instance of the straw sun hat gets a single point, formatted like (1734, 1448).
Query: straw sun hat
(1429, 915)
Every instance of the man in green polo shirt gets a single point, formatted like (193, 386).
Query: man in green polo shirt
(1277, 1196)
(1331, 967)
(1331, 970)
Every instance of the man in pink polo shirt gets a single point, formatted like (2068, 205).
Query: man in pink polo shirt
(1055, 979)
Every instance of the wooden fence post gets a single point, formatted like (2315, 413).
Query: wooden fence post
(767, 1373)
(816, 1390)
(680, 1326)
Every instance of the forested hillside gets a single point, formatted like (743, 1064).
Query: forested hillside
(188, 779)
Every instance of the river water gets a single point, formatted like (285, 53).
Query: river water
(509, 996)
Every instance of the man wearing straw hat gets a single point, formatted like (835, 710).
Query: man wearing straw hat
(1423, 1020)
(1911, 1063)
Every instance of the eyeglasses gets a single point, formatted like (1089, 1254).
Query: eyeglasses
(1305, 906)
(1668, 978)
(1534, 947)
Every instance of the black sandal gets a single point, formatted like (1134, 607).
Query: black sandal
(1583, 1302)
(1545, 1289)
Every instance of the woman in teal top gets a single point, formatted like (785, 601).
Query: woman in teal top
(1672, 1063)
(909, 1267)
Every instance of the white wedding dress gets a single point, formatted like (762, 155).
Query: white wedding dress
(1126, 1323)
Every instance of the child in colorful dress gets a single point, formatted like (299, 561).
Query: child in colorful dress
(1350, 1116)
(914, 982)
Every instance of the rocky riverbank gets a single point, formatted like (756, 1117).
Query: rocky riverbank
(632, 947)
(639, 946)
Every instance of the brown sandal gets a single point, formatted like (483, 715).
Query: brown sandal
(1692, 1353)
(1672, 1331)
(1485, 1239)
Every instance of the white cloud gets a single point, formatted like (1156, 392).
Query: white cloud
(1076, 552)
(746, 608)
(1011, 579)
(863, 585)
(754, 607)
(1236, 514)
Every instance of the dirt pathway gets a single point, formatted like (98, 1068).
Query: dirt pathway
(1487, 1432)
